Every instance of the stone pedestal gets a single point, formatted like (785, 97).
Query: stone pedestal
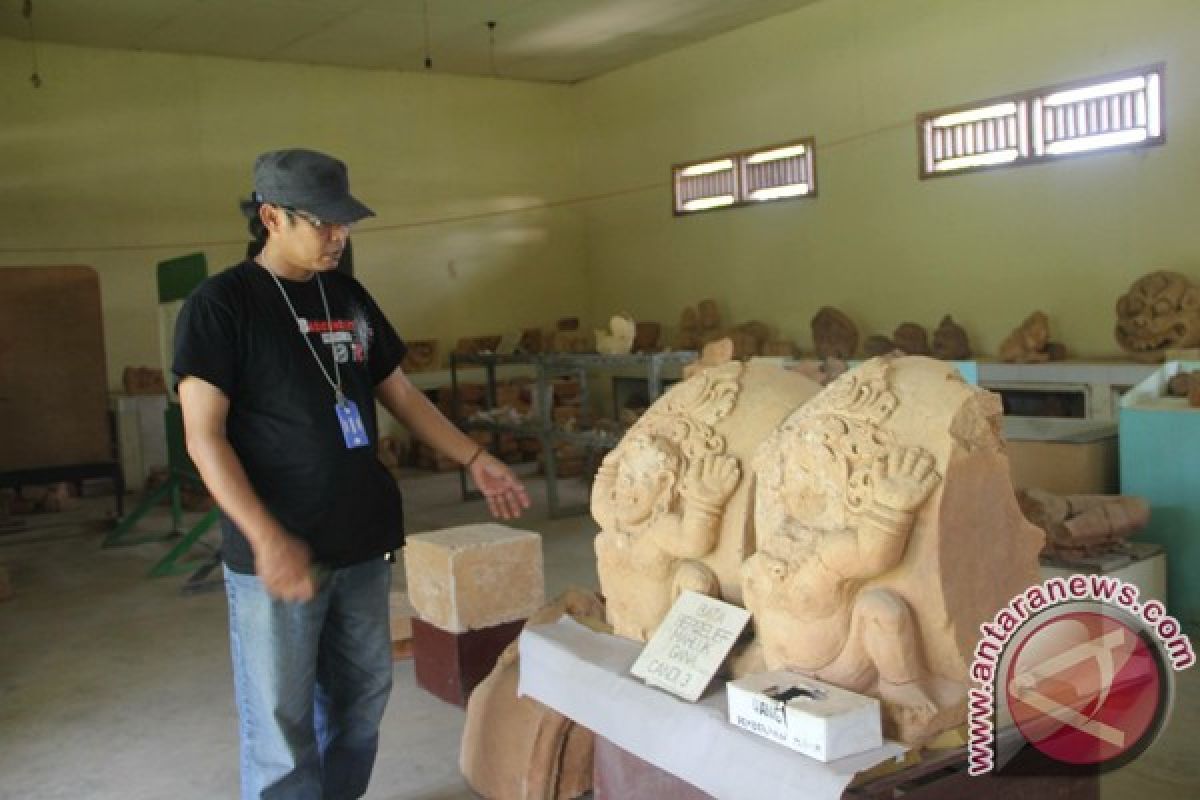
(474, 576)
(449, 665)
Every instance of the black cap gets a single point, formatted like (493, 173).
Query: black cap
(309, 181)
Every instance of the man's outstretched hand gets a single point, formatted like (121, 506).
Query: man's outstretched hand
(505, 494)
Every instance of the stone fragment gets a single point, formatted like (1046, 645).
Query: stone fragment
(474, 576)
(515, 748)
(645, 338)
(1027, 343)
(1081, 525)
(618, 339)
(878, 345)
(911, 339)
(1160, 312)
(950, 341)
(834, 334)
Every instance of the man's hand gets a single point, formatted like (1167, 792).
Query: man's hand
(285, 568)
(505, 494)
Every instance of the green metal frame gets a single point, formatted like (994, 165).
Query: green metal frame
(176, 279)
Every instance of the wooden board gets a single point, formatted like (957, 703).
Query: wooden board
(53, 376)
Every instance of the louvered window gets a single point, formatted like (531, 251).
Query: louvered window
(1100, 114)
(746, 177)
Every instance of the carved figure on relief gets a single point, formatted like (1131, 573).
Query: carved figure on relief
(671, 500)
(840, 488)
(658, 498)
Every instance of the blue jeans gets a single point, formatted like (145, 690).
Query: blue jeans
(311, 681)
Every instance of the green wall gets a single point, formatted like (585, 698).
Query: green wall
(120, 150)
(877, 242)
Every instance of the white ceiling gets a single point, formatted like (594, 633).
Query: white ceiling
(542, 40)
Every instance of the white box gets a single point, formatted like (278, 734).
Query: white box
(812, 717)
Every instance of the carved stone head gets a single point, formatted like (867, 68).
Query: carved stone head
(648, 469)
(1160, 311)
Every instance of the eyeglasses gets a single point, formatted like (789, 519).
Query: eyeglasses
(316, 222)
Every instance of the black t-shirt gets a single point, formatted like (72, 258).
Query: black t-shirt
(236, 332)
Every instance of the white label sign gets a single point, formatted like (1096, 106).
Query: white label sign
(687, 649)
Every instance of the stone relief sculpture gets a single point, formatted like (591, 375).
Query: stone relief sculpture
(950, 341)
(834, 334)
(672, 501)
(887, 532)
(1161, 311)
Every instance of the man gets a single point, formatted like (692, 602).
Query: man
(280, 361)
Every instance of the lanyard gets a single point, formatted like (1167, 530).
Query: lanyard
(336, 381)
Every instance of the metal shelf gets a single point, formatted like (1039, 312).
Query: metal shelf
(547, 367)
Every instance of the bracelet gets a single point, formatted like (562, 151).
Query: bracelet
(474, 456)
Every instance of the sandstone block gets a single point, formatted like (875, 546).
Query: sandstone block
(474, 576)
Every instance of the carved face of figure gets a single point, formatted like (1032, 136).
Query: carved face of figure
(647, 472)
(814, 483)
(1160, 311)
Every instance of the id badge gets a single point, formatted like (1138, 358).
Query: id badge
(353, 430)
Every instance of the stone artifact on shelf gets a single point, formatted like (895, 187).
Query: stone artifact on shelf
(950, 341)
(834, 334)
(1186, 384)
(476, 345)
(1084, 525)
(515, 748)
(1160, 312)
(618, 339)
(887, 531)
(708, 315)
(713, 354)
(532, 341)
(822, 371)
(778, 347)
(673, 500)
(645, 339)
(1030, 342)
(878, 345)
(422, 356)
(911, 339)
(748, 338)
(688, 336)
(567, 338)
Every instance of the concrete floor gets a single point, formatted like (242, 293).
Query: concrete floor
(113, 685)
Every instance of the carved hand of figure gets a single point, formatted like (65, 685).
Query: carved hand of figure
(904, 478)
(711, 480)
